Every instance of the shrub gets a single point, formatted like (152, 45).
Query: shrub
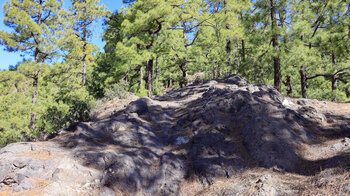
(118, 90)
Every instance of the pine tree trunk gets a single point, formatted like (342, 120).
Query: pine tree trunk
(84, 72)
(334, 86)
(84, 51)
(277, 76)
(141, 77)
(16, 87)
(35, 92)
(170, 83)
(183, 68)
(334, 82)
(289, 86)
(35, 80)
(229, 56)
(276, 59)
(334, 59)
(34, 101)
(228, 51)
(149, 70)
(334, 77)
(243, 50)
(237, 56)
(303, 82)
(228, 46)
(157, 70)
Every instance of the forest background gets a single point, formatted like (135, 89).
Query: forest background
(301, 47)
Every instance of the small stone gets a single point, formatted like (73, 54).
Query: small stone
(20, 164)
(33, 147)
(288, 103)
(196, 123)
(181, 140)
(337, 146)
(346, 141)
(62, 132)
(8, 181)
(303, 101)
(122, 128)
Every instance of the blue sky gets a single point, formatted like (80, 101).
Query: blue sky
(10, 58)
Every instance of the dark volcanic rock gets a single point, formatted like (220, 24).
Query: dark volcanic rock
(237, 80)
(139, 106)
(207, 133)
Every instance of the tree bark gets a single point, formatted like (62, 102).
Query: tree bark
(183, 68)
(334, 86)
(243, 50)
(303, 82)
(334, 77)
(229, 56)
(149, 70)
(35, 90)
(141, 77)
(170, 83)
(157, 70)
(289, 86)
(276, 59)
(84, 71)
(228, 51)
(334, 59)
(228, 46)
(34, 101)
(334, 82)
(35, 78)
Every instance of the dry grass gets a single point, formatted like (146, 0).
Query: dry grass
(335, 181)
(41, 154)
(331, 107)
(249, 181)
(110, 107)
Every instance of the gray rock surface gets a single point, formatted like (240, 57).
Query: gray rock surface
(206, 133)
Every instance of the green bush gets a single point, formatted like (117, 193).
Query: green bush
(73, 107)
(118, 90)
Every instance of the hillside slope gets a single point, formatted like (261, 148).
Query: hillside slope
(224, 137)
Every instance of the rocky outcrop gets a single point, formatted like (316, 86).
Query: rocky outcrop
(224, 137)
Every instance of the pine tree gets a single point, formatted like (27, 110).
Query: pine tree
(320, 47)
(143, 23)
(290, 42)
(84, 13)
(34, 32)
(109, 69)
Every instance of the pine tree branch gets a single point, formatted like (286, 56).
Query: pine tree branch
(193, 40)
(4, 80)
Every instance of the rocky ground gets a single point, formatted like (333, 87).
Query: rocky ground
(224, 137)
